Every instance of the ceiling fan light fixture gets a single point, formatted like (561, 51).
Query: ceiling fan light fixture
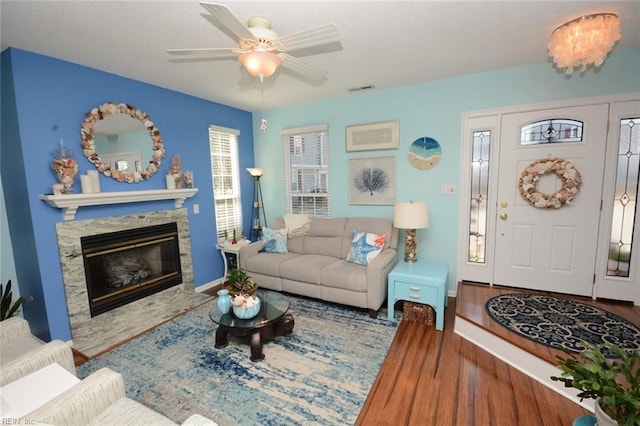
(259, 63)
(584, 41)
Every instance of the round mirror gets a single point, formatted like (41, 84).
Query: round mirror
(115, 138)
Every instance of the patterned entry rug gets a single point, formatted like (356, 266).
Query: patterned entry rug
(319, 375)
(562, 323)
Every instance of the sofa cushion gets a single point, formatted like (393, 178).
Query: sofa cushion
(345, 275)
(126, 411)
(365, 247)
(325, 237)
(267, 263)
(305, 268)
(275, 240)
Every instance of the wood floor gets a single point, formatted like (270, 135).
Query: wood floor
(439, 378)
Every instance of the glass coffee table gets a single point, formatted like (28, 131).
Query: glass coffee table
(272, 320)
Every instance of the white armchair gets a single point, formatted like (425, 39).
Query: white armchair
(100, 399)
(22, 353)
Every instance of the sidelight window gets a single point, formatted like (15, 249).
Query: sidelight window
(625, 201)
(479, 196)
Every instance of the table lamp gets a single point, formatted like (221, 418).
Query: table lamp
(411, 216)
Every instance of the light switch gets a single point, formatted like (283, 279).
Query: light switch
(196, 208)
(448, 189)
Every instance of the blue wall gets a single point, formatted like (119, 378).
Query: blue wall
(45, 100)
(436, 110)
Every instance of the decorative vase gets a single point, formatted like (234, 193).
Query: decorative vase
(602, 418)
(224, 302)
(64, 166)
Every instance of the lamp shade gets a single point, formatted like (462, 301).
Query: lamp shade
(255, 171)
(411, 215)
(260, 63)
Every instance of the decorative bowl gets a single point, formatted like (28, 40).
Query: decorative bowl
(248, 309)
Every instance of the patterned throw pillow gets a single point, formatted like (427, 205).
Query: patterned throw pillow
(365, 247)
(275, 240)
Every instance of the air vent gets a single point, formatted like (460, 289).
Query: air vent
(361, 88)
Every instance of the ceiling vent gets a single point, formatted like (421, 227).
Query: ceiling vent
(361, 88)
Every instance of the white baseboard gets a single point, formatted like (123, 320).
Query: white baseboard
(520, 359)
(204, 287)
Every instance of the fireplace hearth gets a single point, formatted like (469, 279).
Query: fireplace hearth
(125, 266)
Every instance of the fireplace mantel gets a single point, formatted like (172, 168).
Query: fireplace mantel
(69, 203)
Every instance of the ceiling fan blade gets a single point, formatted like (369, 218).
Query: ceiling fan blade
(227, 19)
(222, 51)
(324, 34)
(302, 67)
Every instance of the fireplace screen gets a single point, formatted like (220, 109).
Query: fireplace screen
(125, 266)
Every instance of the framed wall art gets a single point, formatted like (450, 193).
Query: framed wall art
(372, 136)
(372, 180)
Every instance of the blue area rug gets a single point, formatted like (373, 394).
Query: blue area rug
(562, 323)
(321, 374)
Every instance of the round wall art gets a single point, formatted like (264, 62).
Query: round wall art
(424, 153)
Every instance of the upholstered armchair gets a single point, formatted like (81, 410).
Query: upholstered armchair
(99, 399)
(22, 353)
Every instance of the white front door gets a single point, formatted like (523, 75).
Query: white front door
(550, 249)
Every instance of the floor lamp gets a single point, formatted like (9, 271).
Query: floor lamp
(256, 225)
(411, 216)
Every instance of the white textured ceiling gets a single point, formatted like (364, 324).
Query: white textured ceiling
(386, 44)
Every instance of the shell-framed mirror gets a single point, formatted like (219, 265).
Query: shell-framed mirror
(120, 140)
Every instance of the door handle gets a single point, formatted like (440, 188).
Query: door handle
(503, 216)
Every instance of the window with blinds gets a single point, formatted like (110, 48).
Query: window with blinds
(306, 153)
(223, 144)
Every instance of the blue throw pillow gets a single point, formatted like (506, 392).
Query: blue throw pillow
(365, 247)
(275, 240)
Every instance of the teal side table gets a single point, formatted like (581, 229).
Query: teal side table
(419, 282)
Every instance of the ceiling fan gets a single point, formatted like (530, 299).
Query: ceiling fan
(260, 50)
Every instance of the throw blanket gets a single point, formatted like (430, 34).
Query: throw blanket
(297, 224)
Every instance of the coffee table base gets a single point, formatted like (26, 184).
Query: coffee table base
(281, 327)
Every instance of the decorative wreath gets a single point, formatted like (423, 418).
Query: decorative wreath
(565, 171)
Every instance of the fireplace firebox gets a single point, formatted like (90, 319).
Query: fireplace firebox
(124, 266)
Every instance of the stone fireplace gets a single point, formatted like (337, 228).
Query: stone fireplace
(93, 334)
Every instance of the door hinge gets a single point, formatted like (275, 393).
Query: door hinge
(601, 204)
(594, 278)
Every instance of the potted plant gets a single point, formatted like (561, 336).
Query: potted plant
(8, 307)
(240, 282)
(613, 383)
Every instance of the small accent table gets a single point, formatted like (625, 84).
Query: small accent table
(231, 250)
(419, 282)
(272, 320)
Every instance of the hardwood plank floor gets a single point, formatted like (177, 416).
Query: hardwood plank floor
(439, 378)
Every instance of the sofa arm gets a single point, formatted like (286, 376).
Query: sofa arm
(249, 250)
(377, 274)
(49, 353)
(84, 401)
(13, 330)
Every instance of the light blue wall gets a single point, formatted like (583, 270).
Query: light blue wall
(435, 110)
(46, 99)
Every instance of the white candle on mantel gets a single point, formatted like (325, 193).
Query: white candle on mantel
(95, 179)
(171, 182)
(86, 184)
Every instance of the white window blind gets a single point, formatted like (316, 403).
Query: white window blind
(306, 153)
(223, 144)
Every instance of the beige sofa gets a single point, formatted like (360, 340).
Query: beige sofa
(316, 266)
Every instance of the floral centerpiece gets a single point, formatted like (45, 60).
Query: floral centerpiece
(240, 282)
